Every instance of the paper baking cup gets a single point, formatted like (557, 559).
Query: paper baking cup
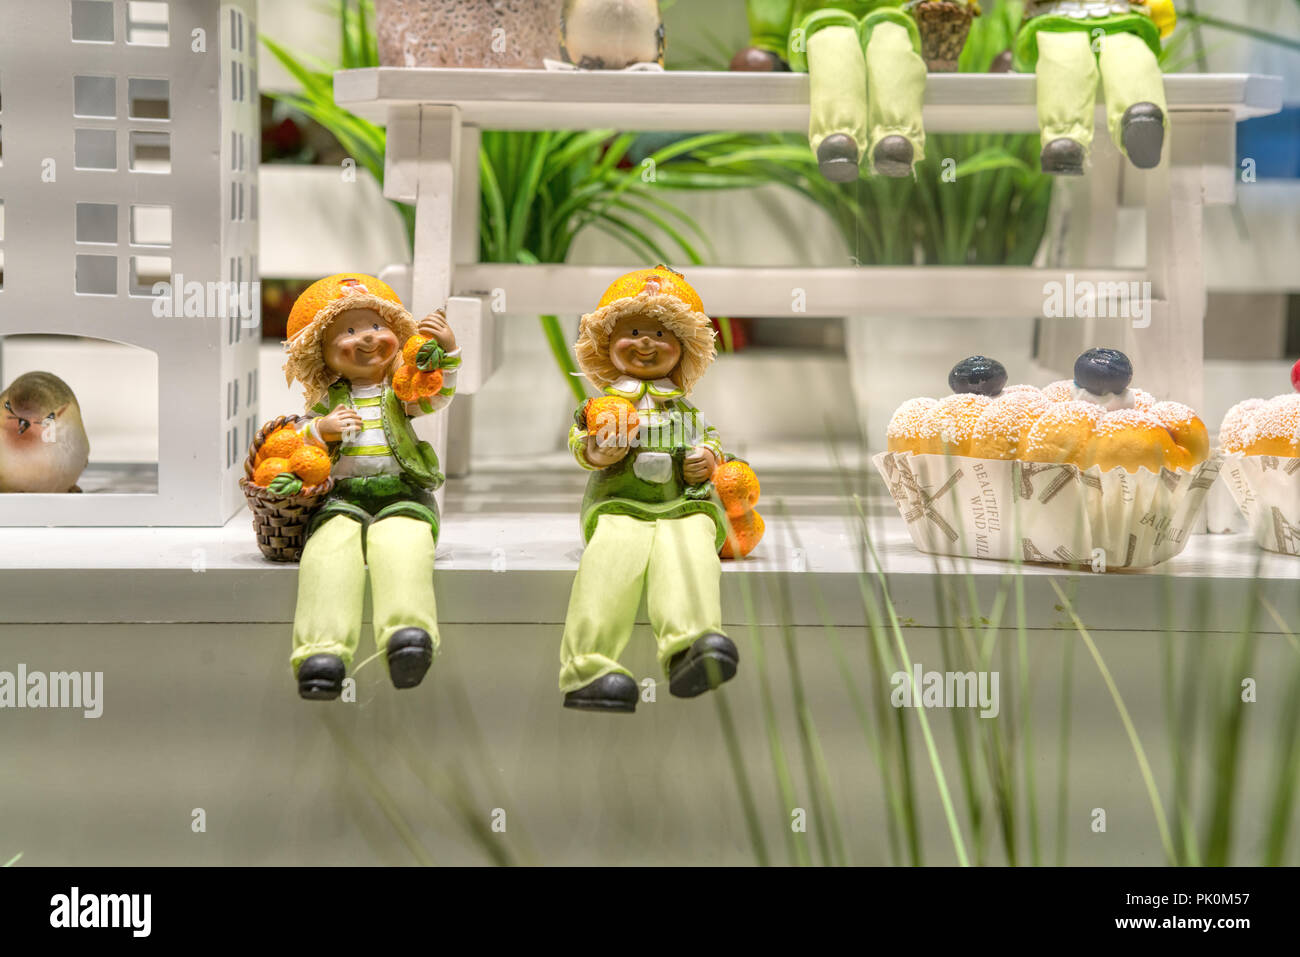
(1267, 490)
(1056, 514)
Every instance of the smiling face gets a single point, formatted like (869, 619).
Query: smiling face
(360, 346)
(643, 348)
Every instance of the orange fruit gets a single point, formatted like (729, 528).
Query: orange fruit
(746, 533)
(310, 463)
(428, 384)
(267, 472)
(660, 277)
(280, 444)
(324, 291)
(612, 416)
(412, 385)
(404, 383)
(737, 486)
(412, 348)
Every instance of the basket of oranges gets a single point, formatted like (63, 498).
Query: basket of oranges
(285, 480)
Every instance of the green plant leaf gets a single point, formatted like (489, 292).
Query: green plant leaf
(285, 484)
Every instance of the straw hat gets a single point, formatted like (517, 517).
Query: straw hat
(317, 307)
(660, 294)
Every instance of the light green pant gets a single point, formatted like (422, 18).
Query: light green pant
(674, 560)
(332, 585)
(866, 96)
(1067, 83)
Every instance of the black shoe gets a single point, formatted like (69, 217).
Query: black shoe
(703, 666)
(410, 652)
(1064, 157)
(1143, 132)
(320, 677)
(893, 157)
(613, 692)
(838, 158)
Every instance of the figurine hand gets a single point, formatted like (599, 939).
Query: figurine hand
(699, 465)
(331, 427)
(436, 327)
(603, 456)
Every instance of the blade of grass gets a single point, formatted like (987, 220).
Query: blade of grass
(385, 801)
(743, 789)
(1139, 752)
(959, 844)
(780, 768)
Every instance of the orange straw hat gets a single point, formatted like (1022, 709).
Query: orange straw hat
(316, 308)
(659, 293)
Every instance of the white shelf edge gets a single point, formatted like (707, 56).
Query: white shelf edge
(910, 291)
(719, 100)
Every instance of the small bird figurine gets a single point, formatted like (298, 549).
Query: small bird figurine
(612, 34)
(43, 444)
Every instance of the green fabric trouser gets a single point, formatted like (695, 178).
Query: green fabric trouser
(332, 585)
(1067, 83)
(869, 94)
(674, 560)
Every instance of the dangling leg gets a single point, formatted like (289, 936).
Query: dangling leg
(1067, 100)
(602, 612)
(399, 551)
(327, 622)
(837, 78)
(895, 94)
(683, 596)
(1136, 110)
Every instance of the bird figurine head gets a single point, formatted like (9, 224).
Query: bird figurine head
(612, 34)
(43, 444)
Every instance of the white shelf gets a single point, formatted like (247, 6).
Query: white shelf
(683, 100)
(509, 557)
(971, 292)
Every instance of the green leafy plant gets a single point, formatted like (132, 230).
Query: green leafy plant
(976, 199)
(539, 190)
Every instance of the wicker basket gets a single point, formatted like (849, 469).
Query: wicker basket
(280, 521)
(944, 28)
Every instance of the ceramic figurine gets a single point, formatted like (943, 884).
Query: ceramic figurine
(352, 344)
(651, 518)
(43, 444)
(1069, 44)
(612, 34)
(867, 78)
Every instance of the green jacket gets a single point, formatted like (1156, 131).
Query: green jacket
(1108, 16)
(773, 23)
(648, 482)
(418, 459)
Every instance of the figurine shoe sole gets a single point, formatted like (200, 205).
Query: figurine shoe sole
(319, 689)
(320, 677)
(410, 653)
(1063, 157)
(894, 157)
(1144, 135)
(837, 158)
(705, 665)
(613, 693)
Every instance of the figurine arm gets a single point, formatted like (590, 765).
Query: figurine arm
(704, 435)
(578, 446)
(310, 429)
(706, 448)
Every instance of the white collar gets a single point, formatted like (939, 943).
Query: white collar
(632, 388)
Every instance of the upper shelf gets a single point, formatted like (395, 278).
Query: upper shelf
(682, 100)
